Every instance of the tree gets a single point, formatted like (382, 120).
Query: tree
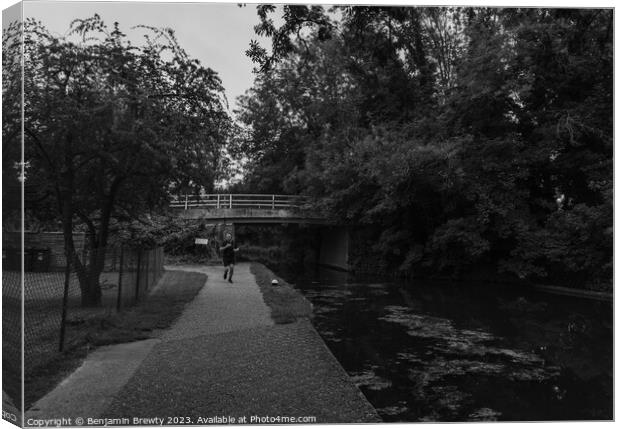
(289, 110)
(111, 129)
(476, 139)
(11, 125)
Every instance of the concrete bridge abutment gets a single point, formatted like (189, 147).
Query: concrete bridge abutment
(334, 248)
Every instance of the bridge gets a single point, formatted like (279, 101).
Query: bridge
(248, 208)
(243, 209)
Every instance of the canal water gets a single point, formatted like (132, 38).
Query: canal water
(455, 352)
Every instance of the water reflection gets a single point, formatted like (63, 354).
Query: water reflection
(442, 352)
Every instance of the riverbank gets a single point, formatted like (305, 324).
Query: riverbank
(287, 305)
(226, 356)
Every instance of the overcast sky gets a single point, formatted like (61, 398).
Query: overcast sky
(216, 34)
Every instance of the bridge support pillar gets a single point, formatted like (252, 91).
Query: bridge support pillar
(334, 250)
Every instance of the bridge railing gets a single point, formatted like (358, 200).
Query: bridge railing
(232, 201)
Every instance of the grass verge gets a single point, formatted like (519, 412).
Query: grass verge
(145, 320)
(286, 304)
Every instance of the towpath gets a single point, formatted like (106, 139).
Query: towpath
(223, 358)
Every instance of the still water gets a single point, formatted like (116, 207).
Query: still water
(455, 352)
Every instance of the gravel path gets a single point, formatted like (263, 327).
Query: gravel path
(221, 306)
(90, 389)
(267, 372)
(225, 357)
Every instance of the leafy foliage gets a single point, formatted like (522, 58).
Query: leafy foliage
(111, 128)
(462, 138)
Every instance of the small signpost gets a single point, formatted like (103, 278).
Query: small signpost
(204, 241)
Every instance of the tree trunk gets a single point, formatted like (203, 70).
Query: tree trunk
(89, 271)
(87, 274)
(89, 280)
(91, 291)
(87, 277)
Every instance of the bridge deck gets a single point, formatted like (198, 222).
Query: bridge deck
(247, 208)
(230, 201)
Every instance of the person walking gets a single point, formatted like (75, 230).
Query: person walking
(228, 255)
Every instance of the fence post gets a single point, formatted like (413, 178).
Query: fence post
(65, 298)
(218, 201)
(138, 276)
(273, 202)
(185, 201)
(148, 260)
(120, 283)
(230, 205)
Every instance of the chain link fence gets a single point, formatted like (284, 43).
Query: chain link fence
(11, 337)
(61, 306)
